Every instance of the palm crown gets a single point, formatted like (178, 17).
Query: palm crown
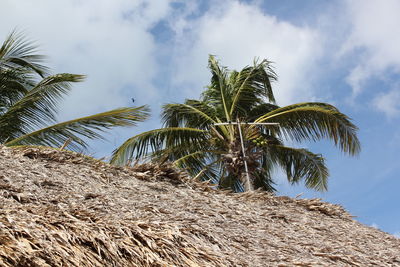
(29, 99)
(192, 138)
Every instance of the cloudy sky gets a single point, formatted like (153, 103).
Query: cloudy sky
(342, 52)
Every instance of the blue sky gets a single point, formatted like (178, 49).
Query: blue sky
(341, 52)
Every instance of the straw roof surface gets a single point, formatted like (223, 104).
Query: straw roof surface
(59, 208)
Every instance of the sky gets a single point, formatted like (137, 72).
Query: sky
(343, 52)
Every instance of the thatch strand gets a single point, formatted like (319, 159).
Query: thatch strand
(59, 208)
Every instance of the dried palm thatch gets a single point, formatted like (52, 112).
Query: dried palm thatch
(62, 209)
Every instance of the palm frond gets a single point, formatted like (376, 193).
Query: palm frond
(314, 121)
(156, 140)
(192, 113)
(89, 127)
(16, 51)
(218, 92)
(260, 110)
(211, 172)
(251, 86)
(201, 165)
(14, 84)
(37, 107)
(263, 180)
(203, 155)
(301, 164)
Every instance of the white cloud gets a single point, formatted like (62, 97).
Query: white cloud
(389, 103)
(238, 32)
(374, 29)
(374, 225)
(356, 78)
(397, 234)
(107, 40)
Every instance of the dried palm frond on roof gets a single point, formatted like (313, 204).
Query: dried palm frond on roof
(60, 208)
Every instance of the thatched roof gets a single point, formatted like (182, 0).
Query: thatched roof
(63, 209)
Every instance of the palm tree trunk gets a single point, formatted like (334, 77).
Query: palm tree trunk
(246, 181)
(235, 164)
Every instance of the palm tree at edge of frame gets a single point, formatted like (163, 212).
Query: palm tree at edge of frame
(29, 98)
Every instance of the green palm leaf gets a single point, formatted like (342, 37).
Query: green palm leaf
(17, 52)
(260, 110)
(219, 91)
(14, 84)
(37, 106)
(191, 114)
(202, 165)
(313, 121)
(250, 86)
(301, 164)
(89, 127)
(155, 140)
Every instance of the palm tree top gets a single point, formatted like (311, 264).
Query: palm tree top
(194, 139)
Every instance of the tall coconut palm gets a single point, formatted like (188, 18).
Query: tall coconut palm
(192, 139)
(29, 97)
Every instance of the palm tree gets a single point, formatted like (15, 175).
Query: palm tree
(192, 139)
(29, 97)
